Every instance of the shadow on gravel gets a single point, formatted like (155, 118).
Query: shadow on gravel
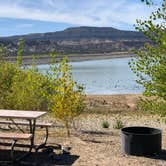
(159, 156)
(96, 132)
(38, 159)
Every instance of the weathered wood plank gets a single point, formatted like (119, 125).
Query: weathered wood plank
(21, 114)
(15, 136)
(38, 124)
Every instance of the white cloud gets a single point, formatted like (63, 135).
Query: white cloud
(78, 12)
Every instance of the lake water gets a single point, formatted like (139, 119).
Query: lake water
(110, 76)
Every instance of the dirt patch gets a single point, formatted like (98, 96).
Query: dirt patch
(113, 102)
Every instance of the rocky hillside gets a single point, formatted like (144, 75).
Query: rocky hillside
(78, 40)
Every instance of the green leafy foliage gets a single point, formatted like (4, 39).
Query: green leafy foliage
(27, 91)
(66, 97)
(148, 2)
(25, 88)
(7, 72)
(154, 106)
(2, 52)
(20, 51)
(22, 89)
(150, 63)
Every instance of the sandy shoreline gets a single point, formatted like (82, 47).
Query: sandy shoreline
(111, 103)
(45, 59)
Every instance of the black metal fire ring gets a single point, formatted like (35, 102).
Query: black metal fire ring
(141, 140)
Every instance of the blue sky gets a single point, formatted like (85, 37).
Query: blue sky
(35, 16)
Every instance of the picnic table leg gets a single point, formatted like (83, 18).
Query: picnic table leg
(32, 131)
(12, 149)
(45, 141)
(46, 136)
(44, 145)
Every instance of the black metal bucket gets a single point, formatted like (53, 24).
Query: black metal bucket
(138, 140)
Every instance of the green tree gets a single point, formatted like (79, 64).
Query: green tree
(21, 88)
(2, 53)
(66, 97)
(150, 62)
(27, 91)
(20, 52)
(7, 72)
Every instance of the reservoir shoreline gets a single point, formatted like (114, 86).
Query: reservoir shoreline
(45, 59)
(110, 103)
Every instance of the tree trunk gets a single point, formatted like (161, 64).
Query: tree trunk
(67, 129)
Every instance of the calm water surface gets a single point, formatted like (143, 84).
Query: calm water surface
(110, 76)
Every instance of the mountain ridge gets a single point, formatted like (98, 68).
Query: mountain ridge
(77, 40)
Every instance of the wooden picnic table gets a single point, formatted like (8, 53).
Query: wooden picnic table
(29, 116)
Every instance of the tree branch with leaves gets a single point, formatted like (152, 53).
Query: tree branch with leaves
(150, 62)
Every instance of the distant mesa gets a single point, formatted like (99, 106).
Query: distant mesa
(77, 40)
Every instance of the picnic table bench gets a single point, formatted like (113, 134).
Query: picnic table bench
(30, 117)
(24, 123)
(14, 137)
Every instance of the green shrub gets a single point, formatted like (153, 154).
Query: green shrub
(21, 89)
(105, 124)
(7, 73)
(153, 106)
(118, 123)
(27, 89)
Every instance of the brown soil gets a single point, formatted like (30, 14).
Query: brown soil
(113, 102)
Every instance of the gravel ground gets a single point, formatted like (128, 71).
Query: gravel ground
(93, 145)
